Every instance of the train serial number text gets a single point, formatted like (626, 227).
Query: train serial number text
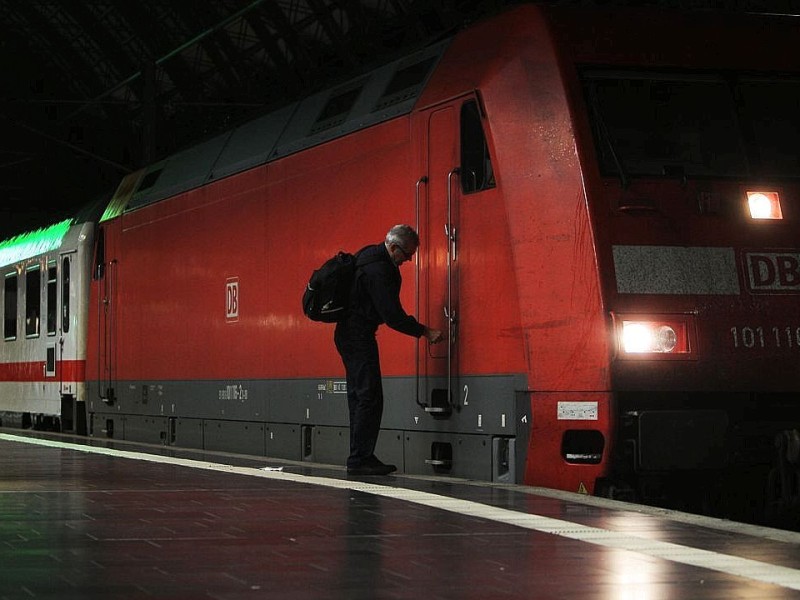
(766, 337)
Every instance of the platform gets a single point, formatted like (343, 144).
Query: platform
(86, 518)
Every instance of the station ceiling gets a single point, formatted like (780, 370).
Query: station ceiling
(94, 89)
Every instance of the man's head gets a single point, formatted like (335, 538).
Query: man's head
(402, 242)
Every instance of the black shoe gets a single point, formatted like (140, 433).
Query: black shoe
(374, 467)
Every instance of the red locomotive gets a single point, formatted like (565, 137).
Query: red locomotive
(607, 202)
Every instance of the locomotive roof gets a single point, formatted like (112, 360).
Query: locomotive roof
(360, 102)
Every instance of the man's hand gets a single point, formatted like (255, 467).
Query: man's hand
(434, 335)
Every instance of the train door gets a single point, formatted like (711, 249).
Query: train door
(438, 216)
(104, 280)
(66, 353)
(67, 347)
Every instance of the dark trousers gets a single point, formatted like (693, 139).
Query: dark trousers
(364, 393)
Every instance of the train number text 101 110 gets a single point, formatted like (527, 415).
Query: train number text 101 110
(766, 337)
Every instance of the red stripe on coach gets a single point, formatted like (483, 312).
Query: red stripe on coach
(68, 370)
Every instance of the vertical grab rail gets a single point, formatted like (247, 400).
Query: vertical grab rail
(421, 181)
(112, 294)
(100, 334)
(105, 308)
(452, 256)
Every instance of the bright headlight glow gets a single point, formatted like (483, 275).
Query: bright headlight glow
(648, 337)
(636, 337)
(764, 205)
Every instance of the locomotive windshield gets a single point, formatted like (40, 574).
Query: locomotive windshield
(694, 125)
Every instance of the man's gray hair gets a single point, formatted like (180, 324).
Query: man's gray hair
(403, 236)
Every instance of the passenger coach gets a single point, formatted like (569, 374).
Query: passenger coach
(45, 301)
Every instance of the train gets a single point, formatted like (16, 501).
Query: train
(607, 201)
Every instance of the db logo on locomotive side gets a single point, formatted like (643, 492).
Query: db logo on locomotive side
(773, 271)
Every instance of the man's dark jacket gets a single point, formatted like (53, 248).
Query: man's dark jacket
(376, 296)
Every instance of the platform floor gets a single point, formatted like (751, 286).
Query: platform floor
(83, 518)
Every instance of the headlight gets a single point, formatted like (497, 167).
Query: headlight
(764, 205)
(654, 337)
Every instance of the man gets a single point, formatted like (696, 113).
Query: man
(375, 300)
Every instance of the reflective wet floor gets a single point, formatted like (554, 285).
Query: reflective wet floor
(89, 519)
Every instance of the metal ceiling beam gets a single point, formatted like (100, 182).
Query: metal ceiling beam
(300, 57)
(56, 47)
(333, 31)
(149, 29)
(78, 149)
(105, 42)
(216, 45)
(182, 76)
(287, 72)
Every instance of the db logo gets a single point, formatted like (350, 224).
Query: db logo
(232, 299)
(773, 272)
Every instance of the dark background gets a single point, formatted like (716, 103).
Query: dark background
(93, 90)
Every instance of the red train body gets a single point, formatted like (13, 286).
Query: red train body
(570, 192)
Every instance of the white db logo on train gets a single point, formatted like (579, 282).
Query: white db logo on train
(773, 272)
(232, 299)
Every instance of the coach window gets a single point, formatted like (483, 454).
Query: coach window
(476, 164)
(65, 277)
(33, 300)
(52, 291)
(10, 307)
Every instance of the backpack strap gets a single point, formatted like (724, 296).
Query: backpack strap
(359, 262)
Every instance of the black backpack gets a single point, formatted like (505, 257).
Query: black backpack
(327, 295)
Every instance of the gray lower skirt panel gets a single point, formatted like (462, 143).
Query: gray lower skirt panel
(471, 456)
(481, 436)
